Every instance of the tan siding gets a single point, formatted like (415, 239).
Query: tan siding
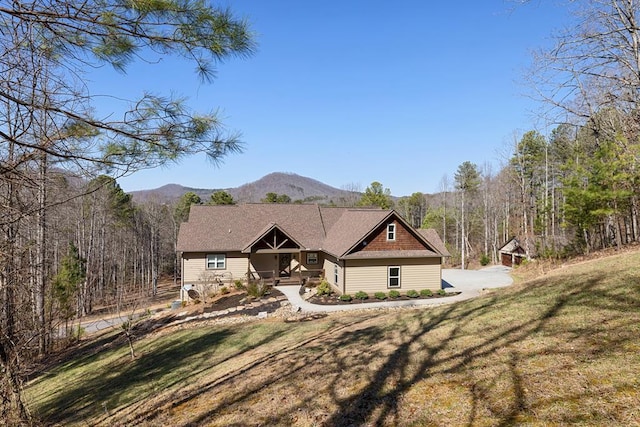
(365, 277)
(237, 264)
(420, 277)
(195, 265)
(328, 266)
(371, 275)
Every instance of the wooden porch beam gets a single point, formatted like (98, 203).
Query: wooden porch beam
(280, 245)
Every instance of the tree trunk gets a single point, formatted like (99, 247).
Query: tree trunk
(463, 232)
(12, 409)
(40, 276)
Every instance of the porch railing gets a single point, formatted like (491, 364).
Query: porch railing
(296, 276)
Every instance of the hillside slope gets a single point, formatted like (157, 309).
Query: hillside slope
(561, 349)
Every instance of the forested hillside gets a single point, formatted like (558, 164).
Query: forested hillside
(72, 240)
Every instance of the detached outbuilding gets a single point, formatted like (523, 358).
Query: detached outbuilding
(512, 253)
(354, 249)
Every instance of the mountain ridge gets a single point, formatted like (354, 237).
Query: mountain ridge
(298, 188)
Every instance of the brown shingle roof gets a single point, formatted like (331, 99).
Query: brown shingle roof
(332, 230)
(431, 236)
(352, 226)
(232, 227)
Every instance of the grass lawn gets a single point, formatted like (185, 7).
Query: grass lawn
(560, 349)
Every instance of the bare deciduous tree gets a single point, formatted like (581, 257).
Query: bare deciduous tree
(47, 119)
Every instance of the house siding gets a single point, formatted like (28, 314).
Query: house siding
(329, 273)
(305, 266)
(404, 239)
(371, 275)
(195, 266)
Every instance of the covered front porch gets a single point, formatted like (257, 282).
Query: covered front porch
(276, 257)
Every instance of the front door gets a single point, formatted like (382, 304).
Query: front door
(285, 265)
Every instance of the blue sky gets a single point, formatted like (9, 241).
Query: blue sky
(350, 92)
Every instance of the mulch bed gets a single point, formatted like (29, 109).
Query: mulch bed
(245, 305)
(333, 299)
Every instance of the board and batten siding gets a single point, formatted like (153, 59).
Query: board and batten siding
(370, 275)
(195, 264)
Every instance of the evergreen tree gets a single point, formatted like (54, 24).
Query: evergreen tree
(65, 284)
(221, 197)
(376, 195)
(181, 211)
(271, 197)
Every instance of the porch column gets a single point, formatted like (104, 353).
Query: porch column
(249, 268)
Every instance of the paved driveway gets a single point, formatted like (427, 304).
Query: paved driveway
(468, 282)
(476, 280)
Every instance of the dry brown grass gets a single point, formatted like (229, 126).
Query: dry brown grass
(561, 349)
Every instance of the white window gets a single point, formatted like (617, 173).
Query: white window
(391, 232)
(393, 277)
(312, 257)
(335, 274)
(216, 261)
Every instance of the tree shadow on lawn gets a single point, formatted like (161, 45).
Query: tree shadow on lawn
(329, 343)
(164, 365)
(388, 376)
(150, 413)
(377, 404)
(383, 361)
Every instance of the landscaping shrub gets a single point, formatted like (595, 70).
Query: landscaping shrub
(413, 293)
(256, 289)
(324, 288)
(345, 297)
(394, 294)
(362, 295)
(484, 260)
(426, 293)
(239, 285)
(224, 290)
(380, 295)
(441, 292)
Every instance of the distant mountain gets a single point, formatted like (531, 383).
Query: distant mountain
(168, 193)
(295, 186)
(298, 188)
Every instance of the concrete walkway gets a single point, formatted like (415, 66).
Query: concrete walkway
(468, 282)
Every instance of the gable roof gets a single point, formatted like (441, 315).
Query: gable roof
(269, 228)
(512, 245)
(233, 227)
(329, 229)
(431, 236)
(351, 228)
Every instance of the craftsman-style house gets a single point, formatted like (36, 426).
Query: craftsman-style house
(353, 249)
